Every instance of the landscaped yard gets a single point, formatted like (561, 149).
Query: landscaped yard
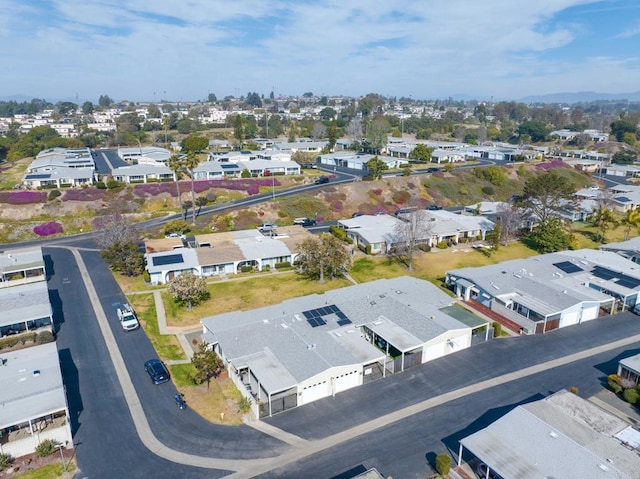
(246, 294)
(217, 404)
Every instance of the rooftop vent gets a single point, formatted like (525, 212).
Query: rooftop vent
(553, 434)
(36, 372)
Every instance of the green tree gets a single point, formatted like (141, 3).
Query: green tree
(186, 126)
(421, 153)
(207, 364)
(546, 194)
(327, 113)
(621, 126)
(153, 111)
(187, 288)
(126, 258)
(604, 219)
(320, 256)
(536, 129)
(238, 128)
(630, 220)
(376, 134)
(376, 166)
(212, 98)
(104, 101)
(332, 134)
(551, 236)
(87, 108)
(176, 226)
(66, 107)
(176, 164)
(624, 157)
(195, 143)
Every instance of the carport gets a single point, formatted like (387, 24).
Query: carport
(402, 347)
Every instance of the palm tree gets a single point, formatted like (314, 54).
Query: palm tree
(603, 219)
(175, 164)
(200, 202)
(631, 220)
(190, 162)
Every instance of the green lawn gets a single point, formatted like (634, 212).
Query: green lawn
(245, 294)
(47, 472)
(167, 346)
(181, 374)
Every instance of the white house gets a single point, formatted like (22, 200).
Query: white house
(316, 346)
(551, 291)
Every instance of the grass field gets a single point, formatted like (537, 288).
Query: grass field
(50, 471)
(246, 294)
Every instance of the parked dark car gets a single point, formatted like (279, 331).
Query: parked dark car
(322, 180)
(432, 170)
(157, 371)
(307, 223)
(434, 207)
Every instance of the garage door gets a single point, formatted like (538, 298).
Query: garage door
(346, 381)
(315, 392)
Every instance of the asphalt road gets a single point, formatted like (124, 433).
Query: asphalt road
(100, 421)
(407, 448)
(102, 425)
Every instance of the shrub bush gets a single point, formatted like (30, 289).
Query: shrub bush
(53, 194)
(12, 341)
(282, 265)
(497, 329)
(111, 184)
(443, 463)
(631, 396)
(614, 377)
(146, 276)
(614, 386)
(244, 405)
(44, 337)
(22, 197)
(245, 174)
(488, 190)
(100, 185)
(442, 245)
(48, 229)
(246, 269)
(5, 461)
(46, 448)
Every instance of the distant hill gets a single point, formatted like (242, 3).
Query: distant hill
(580, 97)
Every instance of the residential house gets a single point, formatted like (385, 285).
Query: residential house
(292, 147)
(144, 155)
(629, 369)
(551, 291)
(32, 400)
(562, 436)
(358, 161)
(625, 171)
(447, 156)
(226, 253)
(143, 173)
(629, 249)
(316, 346)
(60, 167)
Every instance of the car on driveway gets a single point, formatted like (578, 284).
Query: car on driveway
(434, 207)
(157, 371)
(322, 180)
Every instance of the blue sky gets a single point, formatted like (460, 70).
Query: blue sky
(182, 50)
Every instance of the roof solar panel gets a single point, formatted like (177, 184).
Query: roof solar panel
(604, 273)
(320, 321)
(334, 308)
(568, 267)
(628, 282)
(312, 322)
(307, 314)
(168, 259)
(344, 322)
(341, 315)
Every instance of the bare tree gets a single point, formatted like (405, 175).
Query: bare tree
(114, 229)
(189, 289)
(322, 255)
(414, 229)
(354, 130)
(510, 219)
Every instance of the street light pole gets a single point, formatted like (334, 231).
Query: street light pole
(64, 464)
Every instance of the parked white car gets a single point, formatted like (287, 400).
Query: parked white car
(128, 318)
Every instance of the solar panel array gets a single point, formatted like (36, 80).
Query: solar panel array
(568, 267)
(315, 316)
(168, 259)
(621, 279)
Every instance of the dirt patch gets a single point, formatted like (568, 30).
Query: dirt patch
(31, 462)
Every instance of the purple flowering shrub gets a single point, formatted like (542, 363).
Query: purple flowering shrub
(84, 194)
(23, 197)
(337, 206)
(549, 165)
(438, 174)
(48, 229)
(251, 186)
(153, 189)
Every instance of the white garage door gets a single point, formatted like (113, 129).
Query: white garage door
(315, 392)
(346, 381)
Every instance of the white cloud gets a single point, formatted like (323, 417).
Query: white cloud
(427, 48)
